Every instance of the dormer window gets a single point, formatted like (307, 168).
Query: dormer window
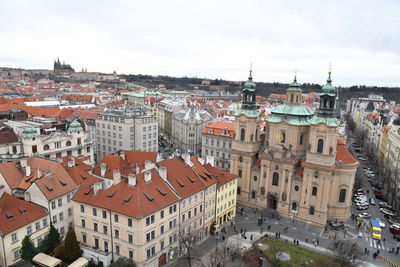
(210, 131)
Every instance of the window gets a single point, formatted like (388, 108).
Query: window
(116, 218)
(53, 205)
(342, 195)
(150, 236)
(201, 208)
(95, 227)
(54, 219)
(150, 220)
(242, 134)
(82, 208)
(320, 147)
(83, 222)
(162, 244)
(17, 254)
(130, 254)
(14, 237)
(29, 230)
(116, 233)
(84, 238)
(61, 216)
(104, 214)
(68, 143)
(183, 217)
(301, 139)
(106, 246)
(255, 178)
(312, 210)
(282, 138)
(94, 212)
(151, 252)
(275, 179)
(294, 206)
(117, 249)
(172, 209)
(161, 229)
(240, 159)
(105, 229)
(130, 238)
(46, 147)
(129, 222)
(253, 194)
(238, 190)
(62, 231)
(189, 214)
(68, 198)
(296, 188)
(314, 191)
(240, 173)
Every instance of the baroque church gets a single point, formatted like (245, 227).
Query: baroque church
(302, 168)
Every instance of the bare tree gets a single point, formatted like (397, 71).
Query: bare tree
(348, 253)
(187, 242)
(225, 254)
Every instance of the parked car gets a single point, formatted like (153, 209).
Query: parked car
(362, 206)
(395, 229)
(396, 237)
(364, 215)
(376, 191)
(381, 197)
(372, 201)
(387, 212)
(336, 225)
(381, 223)
(385, 205)
(361, 158)
(392, 220)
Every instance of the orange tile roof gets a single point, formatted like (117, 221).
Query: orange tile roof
(113, 162)
(206, 176)
(223, 177)
(218, 127)
(137, 201)
(343, 154)
(16, 213)
(139, 157)
(181, 177)
(79, 173)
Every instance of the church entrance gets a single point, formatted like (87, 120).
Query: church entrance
(272, 202)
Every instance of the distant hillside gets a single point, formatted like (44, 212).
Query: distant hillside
(263, 89)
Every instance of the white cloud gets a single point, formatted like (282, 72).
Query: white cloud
(215, 39)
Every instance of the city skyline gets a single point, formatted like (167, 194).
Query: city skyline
(209, 40)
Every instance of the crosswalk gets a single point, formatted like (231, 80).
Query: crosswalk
(375, 244)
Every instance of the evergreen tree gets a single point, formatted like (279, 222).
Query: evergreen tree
(50, 242)
(28, 249)
(71, 248)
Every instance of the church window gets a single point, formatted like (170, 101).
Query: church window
(314, 191)
(240, 159)
(297, 99)
(262, 191)
(296, 188)
(240, 173)
(312, 210)
(238, 190)
(301, 139)
(294, 206)
(255, 178)
(342, 195)
(316, 174)
(320, 147)
(46, 147)
(275, 179)
(283, 137)
(291, 97)
(242, 134)
(253, 194)
(276, 167)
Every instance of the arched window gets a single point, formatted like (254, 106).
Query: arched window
(255, 178)
(320, 147)
(342, 195)
(312, 210)
(68, 143)
(240, 159)
(291, 97)
(294, 206)
(314, 191)
(253, 194)
(242, 134)
(275, 179)
(46, 147)
(283, 137)
(301, 139)
(238, 190)
(297, 99)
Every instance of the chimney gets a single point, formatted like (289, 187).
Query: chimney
(116, 176)
(131, 179)
(28, 170)
(39, 172)
(96, 189)
(147, 176)
(122, 154)
(210, 160)
(23, 163)
(103, 168)
(136, 167)
(148, 165)
(201, 160)
(48, 174)
(71, 162)
(186, 158)
(162, 171)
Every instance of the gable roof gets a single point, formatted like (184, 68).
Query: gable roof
(222, 176)
(217, 128)
(16, 213)
(136, 201)
(206, 176)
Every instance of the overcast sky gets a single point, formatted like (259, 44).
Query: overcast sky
(214, 39)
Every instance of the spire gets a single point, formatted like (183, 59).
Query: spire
(251, 72)
(329, 80)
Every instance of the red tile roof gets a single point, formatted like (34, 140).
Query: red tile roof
(218, 127)
(16, 213)
(206, 176)
(223, 177)
(181, 177)
(137, 201)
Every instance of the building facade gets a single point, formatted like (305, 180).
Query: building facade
(216, 141)
(302, 170)
(126, 130)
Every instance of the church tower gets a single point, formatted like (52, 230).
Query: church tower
(246, 143)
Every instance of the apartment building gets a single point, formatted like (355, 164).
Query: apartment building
(165, 110)
(216, 141)
(18, 219)
(135, 218)
(134, 129)
(44, 182)
(50, 140)
(187, 126)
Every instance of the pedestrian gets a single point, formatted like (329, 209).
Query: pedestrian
(306, 239)
(378, 251)
(276, 235)
(297, 242)
(384, 239)
(231, 223)
(392, 249)
(251, 238)
(261, 231)
(294, 241)
(234, 228)
(369, 251)
(223, 238)
(269, 227)
(241, 230)
(317, 242)
(367, 192)
(279, 234)
(365, 251)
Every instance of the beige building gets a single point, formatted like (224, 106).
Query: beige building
(126, 130)
(216, 141)
(165, 110)
(302, 170)
(18, 219)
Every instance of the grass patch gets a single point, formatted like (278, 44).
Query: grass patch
(298, 255)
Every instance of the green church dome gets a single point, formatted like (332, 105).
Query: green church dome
(75, 126)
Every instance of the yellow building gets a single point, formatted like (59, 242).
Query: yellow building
(19, 219)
